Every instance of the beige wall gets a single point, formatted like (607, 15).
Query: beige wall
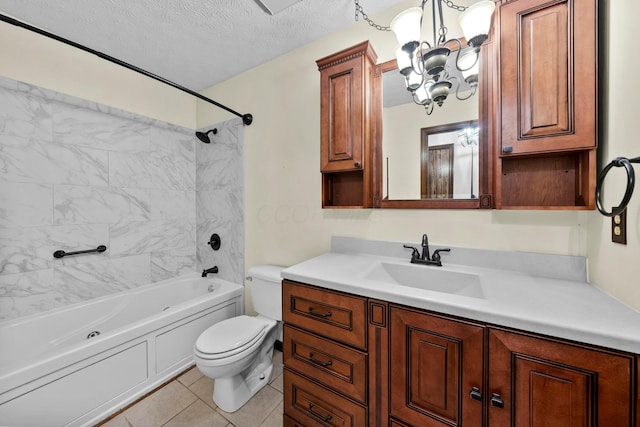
(28, 57)
(613, 267)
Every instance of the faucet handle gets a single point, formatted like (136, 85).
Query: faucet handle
(415, 254)
(436, 254)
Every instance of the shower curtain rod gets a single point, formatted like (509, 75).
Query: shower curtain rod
(247, 119)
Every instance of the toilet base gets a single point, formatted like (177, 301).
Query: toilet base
(231, 393)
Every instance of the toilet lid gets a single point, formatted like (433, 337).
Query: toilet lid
(231, 334)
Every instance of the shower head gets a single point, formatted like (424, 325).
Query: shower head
(204, 136)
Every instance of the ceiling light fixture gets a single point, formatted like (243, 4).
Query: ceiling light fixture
(428, 75)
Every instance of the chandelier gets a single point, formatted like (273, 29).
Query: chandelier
(430, 70)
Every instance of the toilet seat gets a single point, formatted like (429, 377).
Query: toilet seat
(230, 337)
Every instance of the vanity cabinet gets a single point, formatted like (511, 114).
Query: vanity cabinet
(535, 381)
(437, 363)
(548, 104)
(325, 356)
(356, 361)
(347, 115)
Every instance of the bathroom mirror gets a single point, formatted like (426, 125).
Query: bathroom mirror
(424, 161)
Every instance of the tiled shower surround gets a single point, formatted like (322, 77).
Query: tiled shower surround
(75, 174)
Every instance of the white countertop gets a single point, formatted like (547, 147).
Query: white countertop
(546, 294)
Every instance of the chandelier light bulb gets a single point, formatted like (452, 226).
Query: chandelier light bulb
(406, 26)
(476, 22)
(413, 80)
(404, 61)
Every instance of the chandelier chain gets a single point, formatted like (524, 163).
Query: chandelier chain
(452, 5)
(360, 10)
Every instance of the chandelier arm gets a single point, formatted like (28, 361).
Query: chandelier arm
(417, 59)
(429, 108)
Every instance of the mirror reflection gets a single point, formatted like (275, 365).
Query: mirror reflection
(422, 155)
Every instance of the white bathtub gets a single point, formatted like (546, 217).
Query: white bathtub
(51, 374)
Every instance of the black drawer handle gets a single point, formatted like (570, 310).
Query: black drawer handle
(320, 362)
(475, 394)
(318, 313)
(324, 418)
(496, 400)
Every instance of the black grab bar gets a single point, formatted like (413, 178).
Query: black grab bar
(60, 254)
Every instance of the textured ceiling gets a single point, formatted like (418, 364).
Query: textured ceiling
(195, 43)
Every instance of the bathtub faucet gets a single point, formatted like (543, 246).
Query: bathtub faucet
(213, 269)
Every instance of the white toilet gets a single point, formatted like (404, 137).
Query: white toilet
(237, 352)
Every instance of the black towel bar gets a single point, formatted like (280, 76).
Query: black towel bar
(60, 254)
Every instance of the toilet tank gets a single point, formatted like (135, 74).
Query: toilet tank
(266, 290)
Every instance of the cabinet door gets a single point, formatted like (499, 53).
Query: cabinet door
(548, 64)
(342, 108)
(435, 364)
(552, 383)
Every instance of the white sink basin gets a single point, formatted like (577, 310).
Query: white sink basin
(429, 278)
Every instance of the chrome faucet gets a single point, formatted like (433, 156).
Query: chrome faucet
(213, 269)
(425, 258)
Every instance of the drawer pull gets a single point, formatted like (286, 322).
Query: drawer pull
(322, 417)
(320, 362)
(318, 313)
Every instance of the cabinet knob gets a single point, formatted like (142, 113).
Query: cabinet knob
(475, 394)
(496, 400)
(507, 149)
(357, 164)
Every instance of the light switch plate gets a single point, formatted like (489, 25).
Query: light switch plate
(619, 228)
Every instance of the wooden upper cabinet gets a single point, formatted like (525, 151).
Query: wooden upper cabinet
(548, 64)
(345, 104)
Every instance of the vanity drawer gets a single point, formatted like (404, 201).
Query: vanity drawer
(332, 314)
(290, 422)
(313, 405)
(334, 365)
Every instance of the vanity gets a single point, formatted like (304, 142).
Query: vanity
(491, 338)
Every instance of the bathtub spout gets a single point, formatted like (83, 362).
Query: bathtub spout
(213, 269)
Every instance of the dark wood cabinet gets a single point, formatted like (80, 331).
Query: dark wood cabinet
(423, 369)
(548, 104)
(347, 92)
(325, 356)
(546, 382)
(436, 362)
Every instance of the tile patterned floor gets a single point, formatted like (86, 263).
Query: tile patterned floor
(186, 402)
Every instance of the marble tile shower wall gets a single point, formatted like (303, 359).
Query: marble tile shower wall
(76, 174)
(220, 200)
